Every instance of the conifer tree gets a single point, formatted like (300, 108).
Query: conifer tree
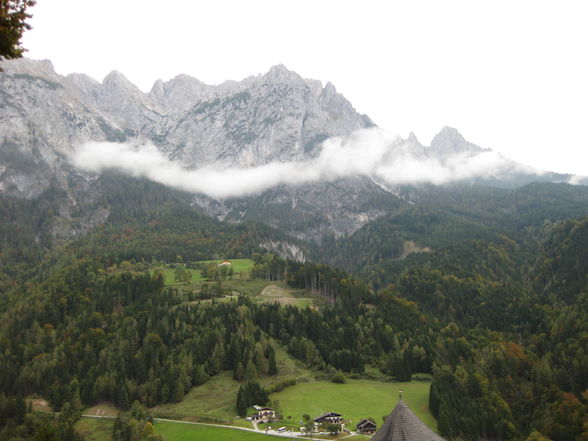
(273, 367)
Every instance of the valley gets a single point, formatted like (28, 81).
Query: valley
(122, 292)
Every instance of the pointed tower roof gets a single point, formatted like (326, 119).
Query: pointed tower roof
(403, 425)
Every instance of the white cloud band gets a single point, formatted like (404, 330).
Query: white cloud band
(374, 153)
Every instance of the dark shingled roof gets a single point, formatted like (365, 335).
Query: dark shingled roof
(327, 414)
(403, 425)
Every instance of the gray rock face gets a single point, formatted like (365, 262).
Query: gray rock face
(278, 116)
(309, 211)
(449, 141)
(45, 116)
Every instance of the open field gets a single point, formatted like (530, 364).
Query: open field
(98, 429)
(355, 400)
(170, 280)
(214, 401)
(241, 269)
(263, 291)
(259, 291)
(190, 432)
(239, 266)
(95, 429)
(40, 405)
(102, 410)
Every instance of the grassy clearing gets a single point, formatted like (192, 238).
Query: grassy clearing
(263, 291)
(239, 265)
(355, 400)
(40, 405)
(169, 276)
(95, 429)
(214, 401)
(102, 410)
(190, 432)
(241, 269)
(259, 291)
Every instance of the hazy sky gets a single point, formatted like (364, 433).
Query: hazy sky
(510, 75)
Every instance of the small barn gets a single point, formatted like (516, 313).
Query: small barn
(366, 427)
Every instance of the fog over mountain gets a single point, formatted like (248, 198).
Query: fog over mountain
(373, 153)
(272, 140)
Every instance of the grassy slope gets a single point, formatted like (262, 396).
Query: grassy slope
(241, 268)
(263, 291)
(189, 432)
(95, 429)
(215, 400)
(356, 399)
(100, 430)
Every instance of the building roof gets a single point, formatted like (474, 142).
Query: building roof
(366, 422)
(403, 425)
(328, 414)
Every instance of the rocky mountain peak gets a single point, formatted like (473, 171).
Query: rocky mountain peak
(179, 93)
(82, 80)
(414, 146)
(280, 73)
(412, 138)
(116, 80)
(35, 68)
(330, 89)
(449, 141)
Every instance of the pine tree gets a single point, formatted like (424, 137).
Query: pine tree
(273, 367)
(241, 402)
(239, 373)
(251, 371)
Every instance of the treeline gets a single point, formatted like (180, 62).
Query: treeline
(500, 319)
(493, 388)
(124, 337)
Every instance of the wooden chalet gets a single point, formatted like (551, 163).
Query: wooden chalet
(403, 425)
(366, 427)
(329, 417)
(264, 414)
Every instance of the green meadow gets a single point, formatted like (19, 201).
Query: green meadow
(95, 429)
(214, 401)
(241, 270)
(191, 432)
(355, 399)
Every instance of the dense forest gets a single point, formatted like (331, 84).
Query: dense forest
(493, 302)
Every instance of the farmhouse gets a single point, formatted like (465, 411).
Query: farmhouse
(403, 425)
(329, 417)
(225, 263)
(366, 427)
(264, 414)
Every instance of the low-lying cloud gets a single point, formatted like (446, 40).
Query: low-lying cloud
(374, 153)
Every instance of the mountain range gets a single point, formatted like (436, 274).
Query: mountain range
(448, 260)
(265, 119)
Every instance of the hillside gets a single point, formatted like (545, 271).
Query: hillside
(111, 289)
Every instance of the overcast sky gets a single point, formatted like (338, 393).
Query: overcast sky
(509, 75)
